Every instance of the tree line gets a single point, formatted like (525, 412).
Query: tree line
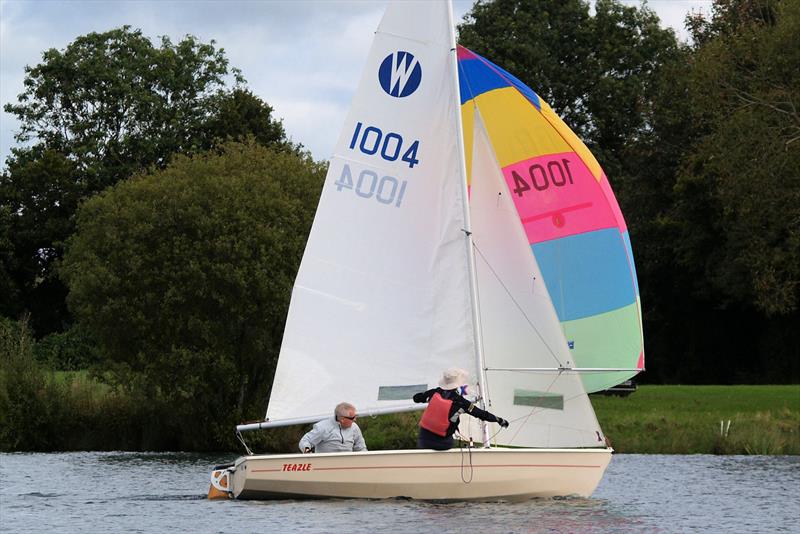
(701, 143)
(154, 212)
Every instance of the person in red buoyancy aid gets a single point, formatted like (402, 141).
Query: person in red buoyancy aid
(445, 405)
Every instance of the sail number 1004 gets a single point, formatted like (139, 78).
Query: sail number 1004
(385, 189)
(371, 140)
(541, 178)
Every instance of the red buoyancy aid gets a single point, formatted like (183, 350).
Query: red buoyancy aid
(436, 417)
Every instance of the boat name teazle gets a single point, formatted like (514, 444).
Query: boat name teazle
(296, 467)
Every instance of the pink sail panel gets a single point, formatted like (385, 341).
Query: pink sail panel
(614, 205)
(557, 196)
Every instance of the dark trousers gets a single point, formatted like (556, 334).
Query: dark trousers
(429, 440)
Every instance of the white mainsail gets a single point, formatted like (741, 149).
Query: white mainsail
(381, 303)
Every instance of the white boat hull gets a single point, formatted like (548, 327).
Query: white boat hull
(454, 475)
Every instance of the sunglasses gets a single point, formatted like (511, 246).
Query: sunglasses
(351, 418)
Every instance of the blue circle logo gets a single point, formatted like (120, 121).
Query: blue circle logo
(400, 74)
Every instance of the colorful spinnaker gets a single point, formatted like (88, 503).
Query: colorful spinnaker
(570, 217)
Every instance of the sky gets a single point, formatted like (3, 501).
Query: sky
(302, 57)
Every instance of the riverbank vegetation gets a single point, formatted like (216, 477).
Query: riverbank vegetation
(45, 410)
(148, 251)
(654, 420)
(667, 420)
(703, 419)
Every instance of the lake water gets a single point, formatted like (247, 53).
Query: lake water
(132, 492)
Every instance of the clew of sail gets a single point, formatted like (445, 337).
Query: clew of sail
(570, 218)
(381, 301)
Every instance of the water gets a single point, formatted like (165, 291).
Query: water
(132, 492)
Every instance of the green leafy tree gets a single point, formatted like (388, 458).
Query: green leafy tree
(239, 115)
(108, 106)
(615, 77)
(595, 71)
(744, 172)
(117, 104)
(184, 277)
(38, 199)
(721, 259)
(645, 189)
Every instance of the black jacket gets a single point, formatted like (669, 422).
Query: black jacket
(460, 405)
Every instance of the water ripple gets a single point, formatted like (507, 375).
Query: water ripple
(160, 492)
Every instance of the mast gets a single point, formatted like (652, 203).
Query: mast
(473, 282)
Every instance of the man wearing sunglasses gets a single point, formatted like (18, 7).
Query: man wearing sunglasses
(339, 433)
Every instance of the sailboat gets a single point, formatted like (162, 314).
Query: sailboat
(461, 224)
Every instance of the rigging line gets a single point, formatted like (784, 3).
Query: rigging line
(496, 433)
(241, 439)
(471, 468)
(519, 307)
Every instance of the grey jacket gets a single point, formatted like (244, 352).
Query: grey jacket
(329, 436)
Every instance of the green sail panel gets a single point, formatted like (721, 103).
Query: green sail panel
(602, 341)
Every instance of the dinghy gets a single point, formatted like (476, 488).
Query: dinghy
(461, 224)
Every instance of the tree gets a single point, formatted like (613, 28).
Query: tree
(595, 71)
(614, 77)
(117, 104)
(184, 276)
(746, 166)
(721, 259)
(241, 114)
(38, 198)
(108, 106)
(536, 41)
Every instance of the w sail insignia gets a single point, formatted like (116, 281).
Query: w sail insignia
(400, 74)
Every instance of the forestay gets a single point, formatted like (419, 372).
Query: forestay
(381, 303)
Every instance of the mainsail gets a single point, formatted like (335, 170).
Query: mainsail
(570, 217)
(381, 303)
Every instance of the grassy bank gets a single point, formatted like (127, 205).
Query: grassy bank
(71, 411)
(668, 420)
(686, 419)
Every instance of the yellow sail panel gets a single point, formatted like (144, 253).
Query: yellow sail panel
(516, 128)
(467, 122)
(569, 136)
